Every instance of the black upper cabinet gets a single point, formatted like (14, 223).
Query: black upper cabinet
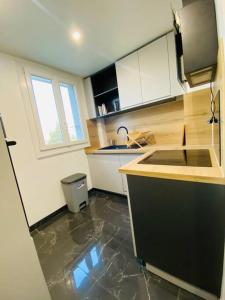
(104, 81)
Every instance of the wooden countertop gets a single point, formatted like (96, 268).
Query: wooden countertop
(212, 174)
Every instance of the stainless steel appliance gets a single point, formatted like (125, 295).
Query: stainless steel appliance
(199, 40)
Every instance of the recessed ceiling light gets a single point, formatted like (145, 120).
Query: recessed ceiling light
(76, 35)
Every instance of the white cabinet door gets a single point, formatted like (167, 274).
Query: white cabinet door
(125, 159)
(128, 79)
(104, 172)
(154, 70)
(89, 98)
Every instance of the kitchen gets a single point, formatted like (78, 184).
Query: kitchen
(141, 125)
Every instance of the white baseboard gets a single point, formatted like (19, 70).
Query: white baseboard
(182, 284)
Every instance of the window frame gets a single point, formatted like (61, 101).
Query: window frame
(64, 114)
(56, 81)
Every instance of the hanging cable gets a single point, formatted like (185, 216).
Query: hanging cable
(213, 118)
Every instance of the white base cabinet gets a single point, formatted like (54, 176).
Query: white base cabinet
(105, 174)
(125, 159)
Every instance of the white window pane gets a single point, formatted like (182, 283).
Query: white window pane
(72, 114)
(48, 115)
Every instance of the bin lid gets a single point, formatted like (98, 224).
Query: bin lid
(73, 178)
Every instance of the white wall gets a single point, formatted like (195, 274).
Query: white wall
(39, 179)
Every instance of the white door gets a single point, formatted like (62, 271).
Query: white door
(104, 172)
(125, 159)
(154, 70)
(128, 79)
(21, 276)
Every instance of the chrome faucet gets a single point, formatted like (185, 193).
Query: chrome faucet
(123, 127)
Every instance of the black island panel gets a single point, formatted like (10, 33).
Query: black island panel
(179, 228)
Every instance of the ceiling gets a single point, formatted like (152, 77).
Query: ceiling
(40, 30)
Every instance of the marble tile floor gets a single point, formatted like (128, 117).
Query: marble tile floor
(89, 255)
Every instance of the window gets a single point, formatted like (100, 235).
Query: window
(70, 106)
(47, 112)
(57, 113)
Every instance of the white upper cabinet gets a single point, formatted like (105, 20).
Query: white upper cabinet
(154, 70)
(89, 98)
(144, 76)
(128, 79)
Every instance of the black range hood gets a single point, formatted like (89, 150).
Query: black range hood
(199, 40)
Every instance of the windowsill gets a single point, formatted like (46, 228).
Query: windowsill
(61, 150)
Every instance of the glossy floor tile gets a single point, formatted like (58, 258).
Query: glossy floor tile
(89, 255)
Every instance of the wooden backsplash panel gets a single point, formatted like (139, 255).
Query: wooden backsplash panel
(220, 86)
(165, 121)
(196, 116)
(93, 133)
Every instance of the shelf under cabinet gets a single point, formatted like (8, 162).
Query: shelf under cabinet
(105, 92)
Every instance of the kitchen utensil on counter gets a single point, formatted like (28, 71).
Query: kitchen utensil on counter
(139, 138)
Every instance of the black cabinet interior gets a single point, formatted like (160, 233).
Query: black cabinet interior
(179, 228)
(105, 90)
(107, 99)
(104, 80)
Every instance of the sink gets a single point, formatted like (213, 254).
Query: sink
(114, 147)
(119, 147)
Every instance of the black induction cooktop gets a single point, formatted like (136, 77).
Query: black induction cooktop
(190, 158)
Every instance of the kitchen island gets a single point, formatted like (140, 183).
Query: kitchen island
(178, 219)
